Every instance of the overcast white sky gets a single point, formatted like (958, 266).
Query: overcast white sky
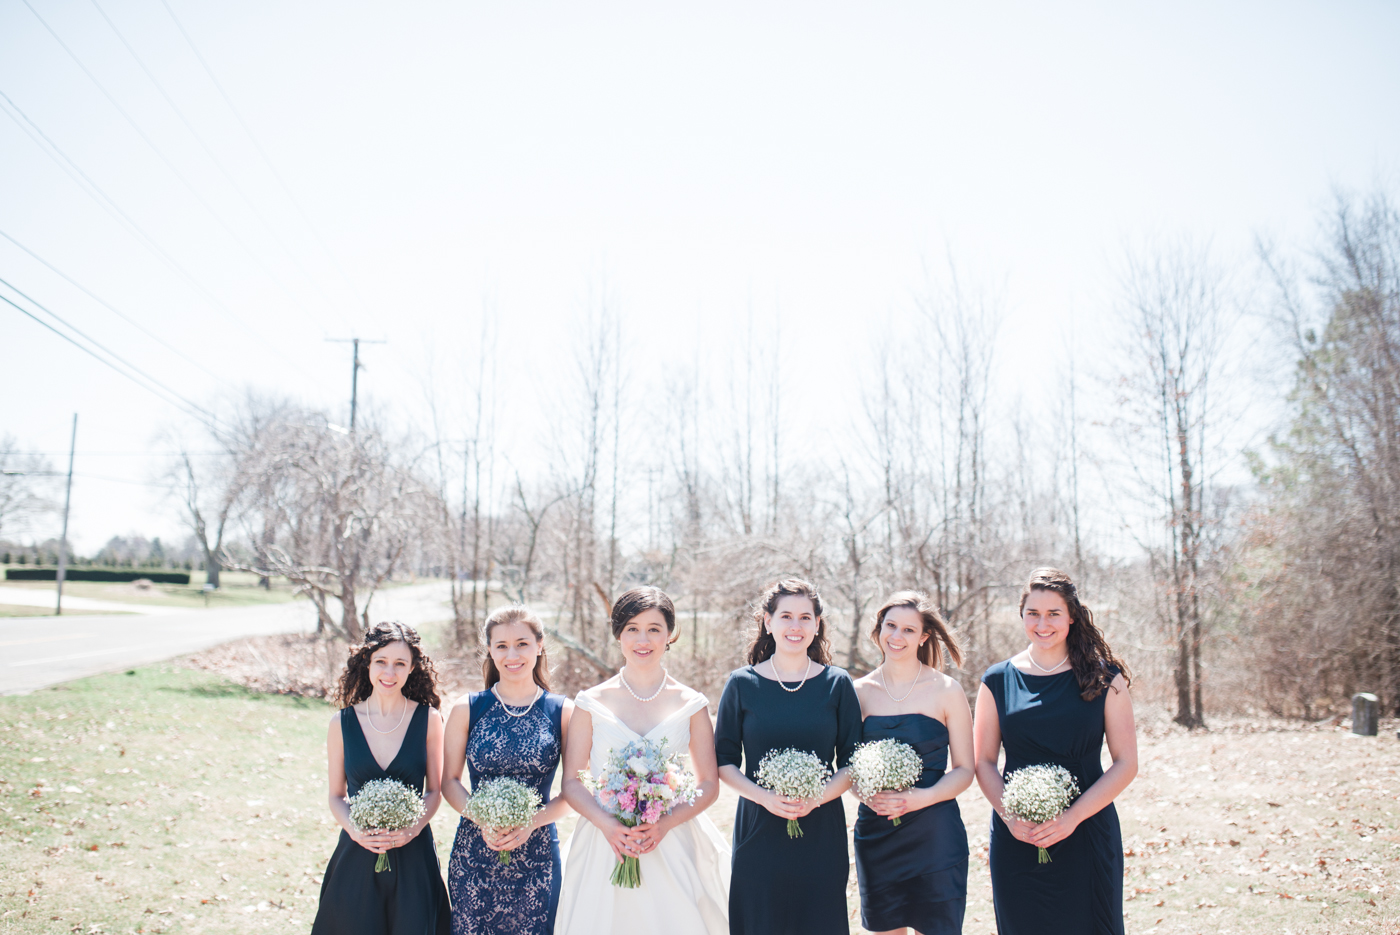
(803, 160)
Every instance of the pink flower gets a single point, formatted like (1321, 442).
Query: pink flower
(627, 800)
(652, 812)
(606, 796)
(672, 779)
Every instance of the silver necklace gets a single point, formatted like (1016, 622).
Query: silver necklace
(370, 719)
(886, 685)
(1030, 657)
(772, 661)
(507, 708)
(654, 695)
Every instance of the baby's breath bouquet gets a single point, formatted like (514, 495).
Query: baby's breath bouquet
(1039, 793)
(887, 765)
(502, 803)
(794, 773)
(385, 805)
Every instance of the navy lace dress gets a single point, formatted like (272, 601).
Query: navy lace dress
(521, 897)
(913, 874)
(1044, 720)
(407, 899)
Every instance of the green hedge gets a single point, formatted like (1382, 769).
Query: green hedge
(96, 574)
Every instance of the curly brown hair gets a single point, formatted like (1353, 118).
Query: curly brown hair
(1089, 655)
(764, 644)
(930, 651)
(421, 684)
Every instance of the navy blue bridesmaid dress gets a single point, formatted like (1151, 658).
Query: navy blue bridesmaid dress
(782, 885)
(913, 874)
(407, 899)
(1080, 892)
(521, 897)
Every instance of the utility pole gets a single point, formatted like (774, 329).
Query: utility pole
(354, 371)
(63, 539)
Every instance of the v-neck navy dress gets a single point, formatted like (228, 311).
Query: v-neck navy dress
(782, 885)
(1080, 892)
(409, 898)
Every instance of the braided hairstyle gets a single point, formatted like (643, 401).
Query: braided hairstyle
(930, 651)
(1089, 655)
(764, 644)
(355, 685)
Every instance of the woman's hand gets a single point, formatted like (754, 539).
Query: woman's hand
(1020, 829)
(376, 842)
(651, 835)
(784, 806)
(1053, 831)
(506, 839)
(891, 804)
(625, 841)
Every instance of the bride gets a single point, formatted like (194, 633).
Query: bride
(683, 859)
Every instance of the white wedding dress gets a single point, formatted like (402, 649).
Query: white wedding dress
(685, 879)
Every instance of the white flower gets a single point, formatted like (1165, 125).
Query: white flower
(502, 803)
(794, 773)
(385, 805)
(887, 765)
(639, 766)
(1039, 793)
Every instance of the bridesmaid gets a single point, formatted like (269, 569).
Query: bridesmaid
(388, 729)
(788, 696)
(1057, 703)
(914, 875)
(515, 727)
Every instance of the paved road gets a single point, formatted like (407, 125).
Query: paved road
(47, 597)
(41, 651)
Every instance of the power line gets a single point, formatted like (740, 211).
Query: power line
(210, 152)
(161, 155)
(178, 401)
(257, 144)
(115, 311)
(104, 201)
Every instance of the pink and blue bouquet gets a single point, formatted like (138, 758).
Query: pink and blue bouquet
(640, 783)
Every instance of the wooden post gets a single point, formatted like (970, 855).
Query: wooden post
(63, 539)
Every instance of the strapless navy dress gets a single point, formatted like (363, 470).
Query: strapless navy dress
(914, 874)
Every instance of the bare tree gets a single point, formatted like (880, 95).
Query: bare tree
(1180, 318)
(25, 482)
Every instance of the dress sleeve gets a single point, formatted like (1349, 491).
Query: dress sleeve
(729, 725)
(848, 720)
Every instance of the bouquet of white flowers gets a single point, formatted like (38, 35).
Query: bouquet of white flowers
(887, 765)
(794, 773)
(1039, 793)
(385, 805)
(502, 803)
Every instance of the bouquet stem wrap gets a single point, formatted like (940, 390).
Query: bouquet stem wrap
(796, 774)
(1039, 794)
(385, 805)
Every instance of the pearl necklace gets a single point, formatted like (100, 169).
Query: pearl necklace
(886, 685)
(654, 695)
(370, 720)
(1030, 657)
(779, 679)
(507, 708)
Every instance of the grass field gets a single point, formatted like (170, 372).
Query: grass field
(175, 801)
